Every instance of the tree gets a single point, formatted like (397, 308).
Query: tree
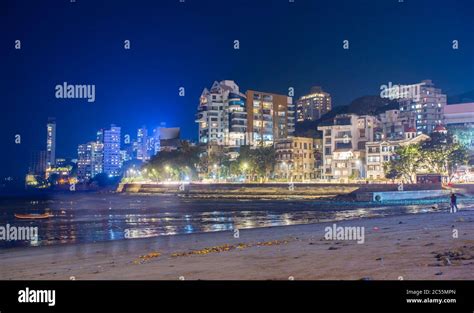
(264, 159)
(406, 163)
(392, 174)
(458, 156)
(257, 162)
(441, 154)
(175, 165)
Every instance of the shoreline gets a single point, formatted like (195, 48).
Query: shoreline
(413, 246)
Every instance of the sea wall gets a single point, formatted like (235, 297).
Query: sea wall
(361, 192)
(408, 195)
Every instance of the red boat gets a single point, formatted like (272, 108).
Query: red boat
(34, 216)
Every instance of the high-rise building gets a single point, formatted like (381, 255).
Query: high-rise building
(84, 162)
(89, 160)
(312, 106)
(142, 144)
(97, 158)
(269, 117)
(51, 142)
(222, 116)
(424, 106)
(112, 156)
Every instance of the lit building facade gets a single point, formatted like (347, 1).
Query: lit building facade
(51, 142)
(392, 124)
(89, 160)
(112, 156)
(314, 105)
(84, 162)
(424, 109)
(295, 159)
(380, 152)
(459, 120)
(222, 116)
(142, 144)
(344, 146)
(270, 117)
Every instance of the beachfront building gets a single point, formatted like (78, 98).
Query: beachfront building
(270, 117)
(295, 159)
(312, 106)
(344, 149)
(459, 120)
(222, 115)
(424, 106)
(380, 152)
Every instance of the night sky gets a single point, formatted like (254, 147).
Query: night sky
(190, 45)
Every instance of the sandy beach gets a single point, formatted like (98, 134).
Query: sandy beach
(409, 247)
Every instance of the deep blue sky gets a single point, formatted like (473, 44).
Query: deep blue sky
(190, 44)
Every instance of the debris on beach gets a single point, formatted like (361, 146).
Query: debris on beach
(455, 256)
(147, 257)
(228, 247)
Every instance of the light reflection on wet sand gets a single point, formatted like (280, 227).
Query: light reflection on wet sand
(94, 217)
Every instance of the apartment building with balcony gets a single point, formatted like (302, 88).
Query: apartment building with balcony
(222, 115)
(344, 146)
(380, 152)
(424, 106)
(295, 159)
(270, 117)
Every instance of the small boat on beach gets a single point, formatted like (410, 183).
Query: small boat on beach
(33, 216)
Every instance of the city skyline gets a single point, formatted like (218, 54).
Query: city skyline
(326, 143)
(154, 96)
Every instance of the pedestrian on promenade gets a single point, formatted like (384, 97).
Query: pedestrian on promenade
(454, 206)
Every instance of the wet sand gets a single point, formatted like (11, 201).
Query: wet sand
(409, 247)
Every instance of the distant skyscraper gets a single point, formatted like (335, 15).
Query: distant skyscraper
(425, 109)
(142, 144)
(314, 105)
(269, 117)
(84, 162)
(112, 155)
(222, 116)
(97, 158)
(51, 142)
